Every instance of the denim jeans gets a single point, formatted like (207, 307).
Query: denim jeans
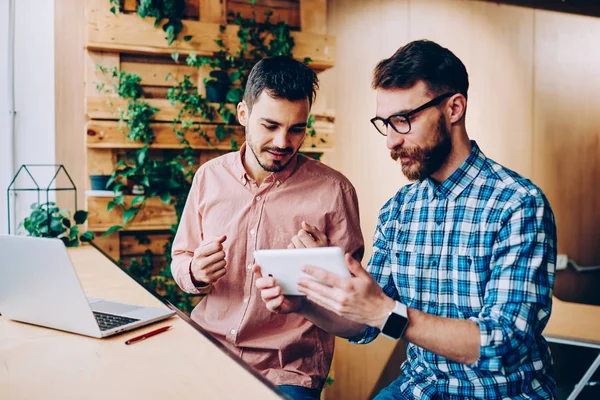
(392, 391)
(300, 393)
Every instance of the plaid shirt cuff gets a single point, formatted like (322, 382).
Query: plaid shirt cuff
(367, 337)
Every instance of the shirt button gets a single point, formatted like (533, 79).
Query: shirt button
(253, 231)
(257, 198)
(246, 300)
(249, 266)
(233, 331)
(278, 183)
(244, 181)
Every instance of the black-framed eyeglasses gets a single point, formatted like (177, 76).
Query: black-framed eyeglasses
(400, 122)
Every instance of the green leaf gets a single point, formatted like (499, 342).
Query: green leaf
(111, 205)
(129, 214)
(66, 222)
(141, 156)
(80, 217)
(168, 76)
(74, 233)
(220, 132)
(112, 229)
(138, 200)
(187, 38)
(120, 199)
(57, 226)
(113, 10)
(175, 56)
(235, 75)
(87, 237)
(234, 95)
(166, 198)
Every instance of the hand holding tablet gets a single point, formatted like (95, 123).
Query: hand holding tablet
(285, 265)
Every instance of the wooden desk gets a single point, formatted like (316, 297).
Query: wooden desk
(182, 363)
(577, 325)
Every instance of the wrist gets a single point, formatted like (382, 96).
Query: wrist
(388, 305)
(197, 283)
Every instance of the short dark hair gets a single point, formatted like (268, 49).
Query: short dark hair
(283, 78)
(422, 60)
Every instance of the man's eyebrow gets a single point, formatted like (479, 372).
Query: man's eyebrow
(405, 111)
(270, 121)
(273, 122)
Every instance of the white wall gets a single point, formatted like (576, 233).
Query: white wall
(4, 150)
(34, 97)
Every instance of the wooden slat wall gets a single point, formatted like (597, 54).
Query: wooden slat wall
(129, 33)
(155, 215)
(129, 43)
(288, 11)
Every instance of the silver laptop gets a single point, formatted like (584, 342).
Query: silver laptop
(38, 285)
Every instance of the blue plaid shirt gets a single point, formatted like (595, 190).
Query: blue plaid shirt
(479, 246)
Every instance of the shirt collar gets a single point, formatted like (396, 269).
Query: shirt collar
(454, 185)
(278, 177)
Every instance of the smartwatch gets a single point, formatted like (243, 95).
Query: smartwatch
(396, 322)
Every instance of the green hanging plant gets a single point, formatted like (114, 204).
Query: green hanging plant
(170, 10)
(169, 178)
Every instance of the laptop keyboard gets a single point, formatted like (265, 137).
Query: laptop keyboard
(109, 321)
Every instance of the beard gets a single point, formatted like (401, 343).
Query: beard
(425, 161)
(260, 154)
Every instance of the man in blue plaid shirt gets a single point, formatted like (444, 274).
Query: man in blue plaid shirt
(463, 258)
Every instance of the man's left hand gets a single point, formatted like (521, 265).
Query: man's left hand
(358, 298)
(308, 237)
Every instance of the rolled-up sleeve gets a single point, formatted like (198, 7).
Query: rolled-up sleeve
(188, 238)
(518, 296)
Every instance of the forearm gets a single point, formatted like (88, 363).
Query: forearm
(329, 321)
(455, 339)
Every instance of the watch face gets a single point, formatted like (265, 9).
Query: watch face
(394, 326)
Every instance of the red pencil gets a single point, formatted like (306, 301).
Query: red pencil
(148, 334)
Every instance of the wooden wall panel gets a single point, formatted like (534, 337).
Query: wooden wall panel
(287, 11)
(566, 130)
(360, 153)
(313, 16)
(532, 107)
(495, 43)
(69, 93)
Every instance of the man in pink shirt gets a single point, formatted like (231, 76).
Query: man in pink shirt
(265, 196)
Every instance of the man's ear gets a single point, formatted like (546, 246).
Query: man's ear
(243, 113)
(457, 106)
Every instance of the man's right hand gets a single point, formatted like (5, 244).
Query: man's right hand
(272, 295)
(208, 264)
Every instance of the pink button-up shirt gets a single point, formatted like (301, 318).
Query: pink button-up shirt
(223, 200)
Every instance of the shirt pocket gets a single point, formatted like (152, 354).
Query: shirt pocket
(470, 274)
(406, 269)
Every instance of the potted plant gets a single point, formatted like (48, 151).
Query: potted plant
(217, 86)
(49, 221)
(100, 182)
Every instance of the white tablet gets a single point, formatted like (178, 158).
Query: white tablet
(285, 265)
